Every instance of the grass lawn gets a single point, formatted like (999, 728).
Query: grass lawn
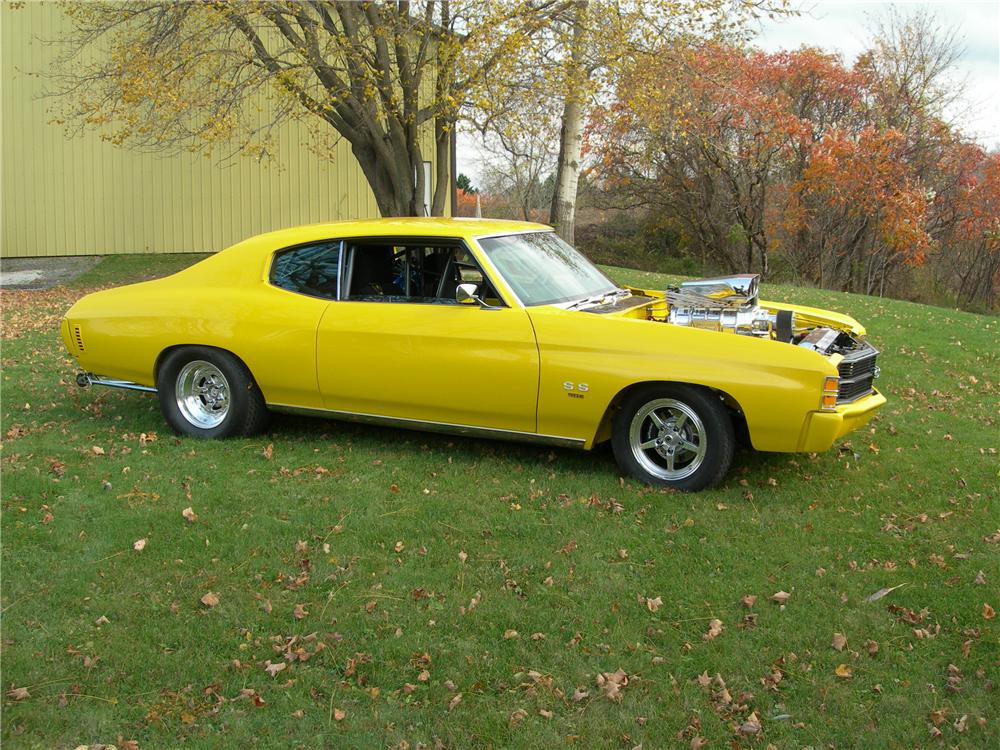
(367, 587)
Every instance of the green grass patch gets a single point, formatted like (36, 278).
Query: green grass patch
(466, 593)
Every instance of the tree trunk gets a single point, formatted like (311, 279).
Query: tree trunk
(563, 212)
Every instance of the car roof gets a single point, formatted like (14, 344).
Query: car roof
(434, 226)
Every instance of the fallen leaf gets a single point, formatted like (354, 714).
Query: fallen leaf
(872, 647)
(462, 556)
(654, 604)
(516, 717)
(882, 592)
(509, 635)
(339, 714)
(751, 725)
(97, 450)
(102, 620)
(960, 723)
(454, 702)
(545, 714)
(299, 612)
(579, 694)
(748, 601)
(18, 694)
(210, 599)
(139, 545)
(844, 671)
(780, 597)
(839, 641)
(298, 714)
(301, 547)
(988, 612)
(189, 515)
(715, 627)
(980, 579)
(697, 743)
(268, 452)
(399, 547)
(273, 669)
(611, 684)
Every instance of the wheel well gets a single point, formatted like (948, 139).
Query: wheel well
(166, 352)
(604, 426)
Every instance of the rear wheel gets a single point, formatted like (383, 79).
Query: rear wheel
(209, 393)
(676, 436)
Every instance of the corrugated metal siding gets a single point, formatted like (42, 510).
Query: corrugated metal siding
(83, 196)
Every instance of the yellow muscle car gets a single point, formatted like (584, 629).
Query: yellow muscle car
(490, 328)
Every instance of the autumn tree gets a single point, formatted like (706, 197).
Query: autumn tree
(576, 60)
(192, 75)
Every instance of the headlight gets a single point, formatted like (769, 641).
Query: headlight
(831, 389)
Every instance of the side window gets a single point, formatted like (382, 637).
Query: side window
(311, 269)
(384, 271)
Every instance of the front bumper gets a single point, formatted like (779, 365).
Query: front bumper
(823, 428)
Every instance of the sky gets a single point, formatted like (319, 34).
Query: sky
(842, 26)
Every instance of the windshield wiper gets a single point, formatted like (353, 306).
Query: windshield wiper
(597, 298)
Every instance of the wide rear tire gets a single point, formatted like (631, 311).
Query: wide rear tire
(209, 393)
(673, 435)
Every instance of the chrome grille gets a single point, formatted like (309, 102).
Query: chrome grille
(857, 373)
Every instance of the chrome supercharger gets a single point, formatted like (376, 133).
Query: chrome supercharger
(727, 303)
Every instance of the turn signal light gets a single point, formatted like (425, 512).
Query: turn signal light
(831, 389)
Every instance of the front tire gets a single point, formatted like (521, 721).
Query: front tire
(677, 436)
(209, 393)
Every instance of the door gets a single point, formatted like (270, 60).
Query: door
(400, 346)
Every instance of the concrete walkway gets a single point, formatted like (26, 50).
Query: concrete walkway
(43, 273)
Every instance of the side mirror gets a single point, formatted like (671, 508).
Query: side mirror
(467, 294)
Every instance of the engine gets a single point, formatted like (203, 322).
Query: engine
(727, 303)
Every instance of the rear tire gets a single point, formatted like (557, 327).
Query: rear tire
(209, 393)
(678, 436)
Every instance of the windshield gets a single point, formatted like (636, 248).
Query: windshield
(544, 270)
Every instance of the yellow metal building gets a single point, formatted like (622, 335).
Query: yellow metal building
(84, 196)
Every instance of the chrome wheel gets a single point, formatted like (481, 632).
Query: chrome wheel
(202, 394)
(668, 439)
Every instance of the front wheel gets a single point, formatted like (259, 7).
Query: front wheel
(678, 436)
(209, 393)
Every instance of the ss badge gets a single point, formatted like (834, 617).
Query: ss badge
(575, 390)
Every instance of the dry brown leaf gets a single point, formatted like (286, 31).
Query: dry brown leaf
(748, 601)
(462, 556)
(102, 620)
(980, 579)
(210, 599)
(268, 452)
(509, 635)
(844, 671)
(399, 547)
(298, 714)
(339, 714)
(454, 702)
(516, 717)
(872, 647)
(538, 636)
(424, 676)
(780, 597)
(299, 612)
(988, 611)
(697, 743)
(751, 726)
(611, 683)
(273, 669)
(18, 694)
(301, 547)
(139, 545)
(839, 641)
(545, 714)
(715, 627)
(266, 606)
(189, 515)
(579, 694)
(654, 604)
(703, 679)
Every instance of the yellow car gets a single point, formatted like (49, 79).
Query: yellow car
(490, 328)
